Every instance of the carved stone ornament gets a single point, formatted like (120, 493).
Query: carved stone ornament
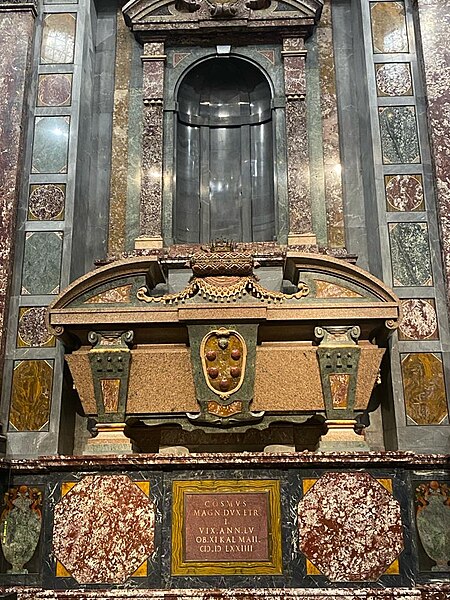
(220, 274)
(151, 18)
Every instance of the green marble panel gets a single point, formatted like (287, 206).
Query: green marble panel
(58, 38)
(42, 263)
(410, 254)
(51, 138)
(31, 395)
(398, 130)
(389, 33)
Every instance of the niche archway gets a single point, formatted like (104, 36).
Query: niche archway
(224, 154)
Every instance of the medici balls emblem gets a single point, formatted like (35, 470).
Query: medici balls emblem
(223, 353)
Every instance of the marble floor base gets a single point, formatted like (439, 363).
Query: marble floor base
(429, 592)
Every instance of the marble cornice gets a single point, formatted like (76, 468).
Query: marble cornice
(404, 460)
(18, 6)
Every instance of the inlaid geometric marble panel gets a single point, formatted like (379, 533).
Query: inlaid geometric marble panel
(104, 529)
(46, 202)
(51, 138)
(393, 79)
(31, 395)
(410, 254)
(58, 38)
(350, 527)
(424, 389)
(32, 331)
(42, 263)
(398, 129)
(419, 320)
(54, 89)
(404, 193)
(389, 33)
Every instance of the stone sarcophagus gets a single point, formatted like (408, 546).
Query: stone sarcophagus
(218, 346)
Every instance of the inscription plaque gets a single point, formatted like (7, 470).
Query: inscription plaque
(226, 527)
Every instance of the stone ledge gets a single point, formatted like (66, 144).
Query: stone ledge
(429, 592)
(244, 459)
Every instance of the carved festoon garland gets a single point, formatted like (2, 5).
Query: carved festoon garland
(220, 274)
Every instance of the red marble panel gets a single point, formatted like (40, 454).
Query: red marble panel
(434, 18)
(419, 320)
(300, 220)
(151, 190)
(54, 89)
(16, 34)
(331, 150)
(103, 529)
(350, 527)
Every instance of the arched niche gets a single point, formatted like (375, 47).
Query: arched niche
(224, 154)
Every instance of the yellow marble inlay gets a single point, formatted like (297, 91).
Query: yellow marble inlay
(311, 569)
(61, 570)
(141, 571)
(66, 486)
(386, 483)
(144, 486)
(307, 484)
(393, 569)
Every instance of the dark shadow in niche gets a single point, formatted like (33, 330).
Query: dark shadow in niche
(148, 439)
(224, 154)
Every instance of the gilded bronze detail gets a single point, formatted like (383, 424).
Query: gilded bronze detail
(222, 274)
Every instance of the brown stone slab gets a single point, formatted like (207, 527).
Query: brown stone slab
(230, 527)
(226, 527)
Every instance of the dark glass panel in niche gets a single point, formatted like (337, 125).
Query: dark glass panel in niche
(42, 263)
(389, 33)
(51, 137)
(432, 508)
(31, 395)
(58, 38)
(46, 202)
(224, 154)
(410, 254)
(32, 330)
(424, 389)
(393, 79)
(54, 89)
(398, 129)
(404, 193)
(419, 320)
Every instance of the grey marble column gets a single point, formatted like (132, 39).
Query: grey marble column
(300, 221)
(152, 147)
